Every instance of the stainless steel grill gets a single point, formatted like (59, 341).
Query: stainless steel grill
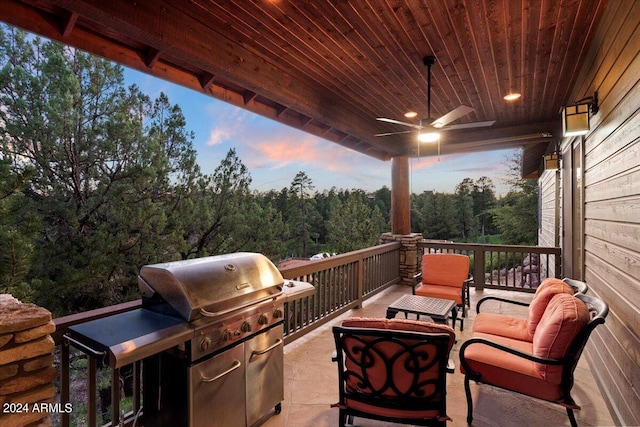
(210, 336)
(209, 287)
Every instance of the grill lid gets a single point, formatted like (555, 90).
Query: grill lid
(211, 286)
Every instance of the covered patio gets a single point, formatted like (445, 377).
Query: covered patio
(332, 68)
(311, 380)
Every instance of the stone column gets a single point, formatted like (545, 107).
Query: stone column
(409, 261)
(26, 364)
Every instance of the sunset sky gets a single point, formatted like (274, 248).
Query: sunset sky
(275, 153)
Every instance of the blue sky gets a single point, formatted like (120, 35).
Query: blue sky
(274, 153)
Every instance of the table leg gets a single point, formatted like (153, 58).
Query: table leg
(454, 316)
(391, 313)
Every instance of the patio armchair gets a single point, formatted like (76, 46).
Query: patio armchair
(445, 276)
(517, 327)
(393, 370)
(542, 368)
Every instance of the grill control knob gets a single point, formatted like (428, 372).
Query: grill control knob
(277, 313)
(227, 335)
(245, 327)
(263, 319)
(205, 343)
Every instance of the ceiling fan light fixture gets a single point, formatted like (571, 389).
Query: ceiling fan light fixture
(410, 114)
(429, 136)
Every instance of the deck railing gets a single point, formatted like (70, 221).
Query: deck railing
(342, 282)
(506, 267)
(70, 359)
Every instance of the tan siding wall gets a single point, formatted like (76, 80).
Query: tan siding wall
(548, 214)
(612, 205)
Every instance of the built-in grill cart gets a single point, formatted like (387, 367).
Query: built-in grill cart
(210, 338)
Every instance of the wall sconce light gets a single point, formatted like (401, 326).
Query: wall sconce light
(551, 161)
(575, 118)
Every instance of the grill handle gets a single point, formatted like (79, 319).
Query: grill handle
(266, 350)
(236, 365)
(229, 310)
(85, 348)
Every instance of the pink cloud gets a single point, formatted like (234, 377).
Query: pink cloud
(281, 149)
(426, 162)
(218, 136)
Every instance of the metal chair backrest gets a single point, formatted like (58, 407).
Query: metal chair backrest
(598, 309)
(393, 370)
(579, 287)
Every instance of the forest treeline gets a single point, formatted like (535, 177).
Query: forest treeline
(98, 179)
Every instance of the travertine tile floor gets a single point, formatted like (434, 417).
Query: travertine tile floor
(311, 382)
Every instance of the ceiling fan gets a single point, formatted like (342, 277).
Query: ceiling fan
(428, 129)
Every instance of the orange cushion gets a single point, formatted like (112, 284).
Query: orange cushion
(376, 372)
(564, 317)
(445, 269)
(548, 289)
(400, 325)
(440, 291)
(394, 413)
(549, 281)
(507, 370)
(502, 325)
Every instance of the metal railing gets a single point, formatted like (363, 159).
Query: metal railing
(342, 282)
(507, 267)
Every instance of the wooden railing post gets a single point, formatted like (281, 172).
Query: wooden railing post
(478, 267)
(91, 392)
(360, 282)
(64, 382)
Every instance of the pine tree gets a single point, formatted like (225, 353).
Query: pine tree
(101, 176)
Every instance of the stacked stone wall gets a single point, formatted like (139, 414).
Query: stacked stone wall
(27, 371)
(409, 262)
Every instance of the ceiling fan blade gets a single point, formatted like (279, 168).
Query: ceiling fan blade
(452, 115)
(397, 122)
(393, 133)
(470, 125)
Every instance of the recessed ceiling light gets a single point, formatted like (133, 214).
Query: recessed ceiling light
(410, 114)
(512, 96)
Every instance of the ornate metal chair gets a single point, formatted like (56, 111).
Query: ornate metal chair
(393, 370)
(445, 276)
(544, 367)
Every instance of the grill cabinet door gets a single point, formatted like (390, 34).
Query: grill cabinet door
(218, 390)
(265, 380)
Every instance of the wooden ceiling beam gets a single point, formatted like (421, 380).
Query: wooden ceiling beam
(248, 96)
(330, 68)
(499, 138)
(160, 23)
(206, 79)
(151, 56)
(36, 20)
(281, 109)
(69, 23)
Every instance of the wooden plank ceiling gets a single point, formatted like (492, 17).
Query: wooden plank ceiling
(331, 67)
